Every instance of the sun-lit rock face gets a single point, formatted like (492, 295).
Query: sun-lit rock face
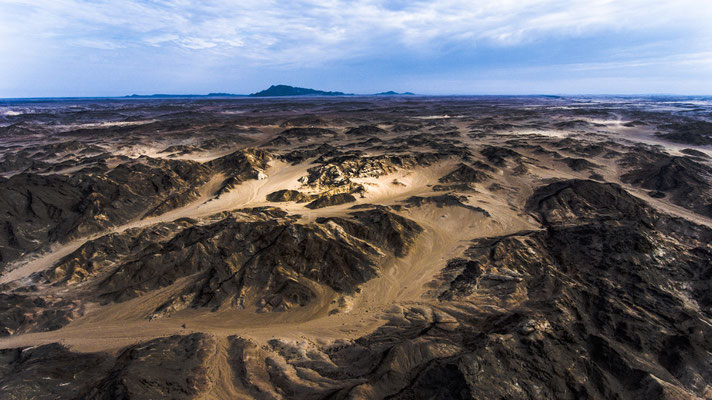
(356, 247)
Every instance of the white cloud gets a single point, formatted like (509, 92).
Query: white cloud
(159, 39)
(196, 43)
(174, 42)
(97, 44)
(311, 30)
(698, 59)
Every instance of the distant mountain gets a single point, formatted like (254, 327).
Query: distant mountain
(225, 95)
(170, 96)
(285, 90)
(158, 95)
(272, 91)
(392, 93)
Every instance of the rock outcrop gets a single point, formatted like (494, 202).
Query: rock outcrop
(687, 182)
(269, 261)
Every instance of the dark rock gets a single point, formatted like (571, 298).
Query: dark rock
(579, 164)
(50, 371)
(695, 132)
(465, 173)
(28, 313)
(305, 133)
(308, 120)
(443, 201)
(41, 209)
(328, 200)
(175, 367)
(575, 200)
(231, 259)
(687, 182)
(289, 195)
(366, 130)
(499, 155)
(695, 153)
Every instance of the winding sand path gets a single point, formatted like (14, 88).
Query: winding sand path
(446, 234)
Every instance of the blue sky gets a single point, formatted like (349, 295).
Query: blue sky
(104, 48)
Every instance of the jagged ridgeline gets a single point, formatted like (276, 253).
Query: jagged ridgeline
(355, 247)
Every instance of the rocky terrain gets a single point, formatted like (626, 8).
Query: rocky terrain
(356, 248)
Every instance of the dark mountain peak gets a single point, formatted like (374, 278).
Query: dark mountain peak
(286, 90)
(392, 93)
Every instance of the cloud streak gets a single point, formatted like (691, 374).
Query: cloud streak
(270, 31)
(317, 33)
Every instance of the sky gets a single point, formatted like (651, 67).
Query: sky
(57, 48)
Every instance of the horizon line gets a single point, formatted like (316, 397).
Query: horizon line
(236, 95)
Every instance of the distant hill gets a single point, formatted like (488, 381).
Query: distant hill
(272, 91)
(225, 95)
(285, 90)
(392, 93)
(170, 96)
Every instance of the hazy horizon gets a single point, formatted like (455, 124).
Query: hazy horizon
(77, 48)
(159, 96)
